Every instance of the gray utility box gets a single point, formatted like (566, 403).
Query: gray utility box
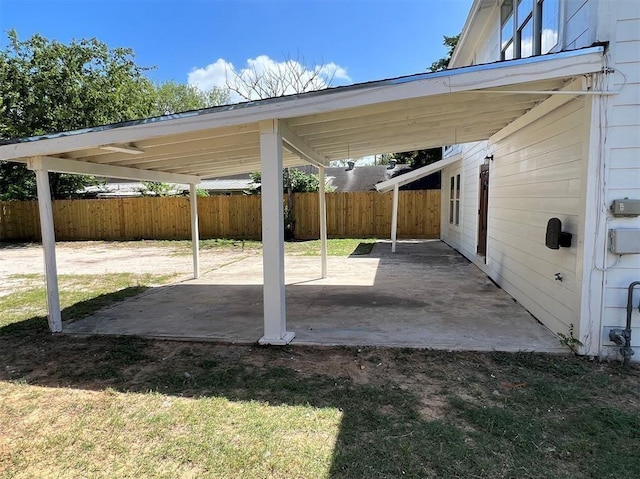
(626, 207)
(625, 241)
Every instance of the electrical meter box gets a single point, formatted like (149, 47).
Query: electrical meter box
(625, 241)
(626, 207)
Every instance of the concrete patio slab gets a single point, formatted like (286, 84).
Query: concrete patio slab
(425, 295)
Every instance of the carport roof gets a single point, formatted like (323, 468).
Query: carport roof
(401, 114)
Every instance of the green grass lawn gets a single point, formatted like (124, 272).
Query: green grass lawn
(127, 407)
(335, 246)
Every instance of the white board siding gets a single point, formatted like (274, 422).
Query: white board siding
(537, 174)
(622, 162)
(576, 30)
(465, 238)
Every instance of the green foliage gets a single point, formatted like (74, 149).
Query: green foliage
(172, 97)
(418, 158)
(50, 87)
(443, 63)
(155, 188)
(299, 181)
(570, 341)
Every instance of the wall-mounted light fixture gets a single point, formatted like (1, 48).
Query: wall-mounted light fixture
(488, 158)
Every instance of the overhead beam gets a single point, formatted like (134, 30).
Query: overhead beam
(401, 180)
(62, 165)
(298, 146)
(547, 106)
(521, 71)
(130, 150)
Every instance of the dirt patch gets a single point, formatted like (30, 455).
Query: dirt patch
(99, 257)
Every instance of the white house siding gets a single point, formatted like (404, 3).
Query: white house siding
(465, 237)
(576, 26)
(621, 22)
(537, 174)
(540, 171)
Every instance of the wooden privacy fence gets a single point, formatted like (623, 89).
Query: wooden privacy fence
(356, 215)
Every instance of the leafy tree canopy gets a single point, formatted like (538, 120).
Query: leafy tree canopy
(172, 97)
(418, 158)
(299, 181)
(443, 63)
(49, 87)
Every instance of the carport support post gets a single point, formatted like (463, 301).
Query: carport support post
(394, 219)
(275, 316)
(322, 203)
(195, 235)
(49, 247)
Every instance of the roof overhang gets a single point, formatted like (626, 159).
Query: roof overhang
(405, 179)
(420, 111)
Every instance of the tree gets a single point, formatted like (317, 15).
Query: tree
(443, 63)
(268, 79)
(172, 97)
(49, 87)
(296, 180)
(265, 78)
(418, 158)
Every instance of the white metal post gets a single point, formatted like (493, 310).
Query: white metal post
(394, 218)
(275, 318)
(49, 247)
(322, 203)
(195, 235)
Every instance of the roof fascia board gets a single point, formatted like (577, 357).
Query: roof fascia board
(389, 185)
(298, 146)
(466, 29)
(62, 165)
(563, 64)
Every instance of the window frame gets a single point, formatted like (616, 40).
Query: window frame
(455, 199)
(511, 12)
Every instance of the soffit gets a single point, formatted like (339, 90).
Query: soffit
(421, 111)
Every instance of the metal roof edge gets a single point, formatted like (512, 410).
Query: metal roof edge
(309, 95)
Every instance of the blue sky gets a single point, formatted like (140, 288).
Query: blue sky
(363, 39)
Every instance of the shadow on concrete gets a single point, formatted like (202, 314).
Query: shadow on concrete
(425, 295)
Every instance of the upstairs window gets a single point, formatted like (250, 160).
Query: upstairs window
(528, 27)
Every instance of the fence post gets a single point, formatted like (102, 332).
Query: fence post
(195, 236)
(322, 207)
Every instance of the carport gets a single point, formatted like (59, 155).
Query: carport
(401, 114)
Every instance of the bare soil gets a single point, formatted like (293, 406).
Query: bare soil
(18, 260)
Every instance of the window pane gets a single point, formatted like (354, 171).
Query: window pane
(453, 188)
(457, 213)
(506, 10)
(506, 35)
(507, 54)
(526, 39)
(550, 20)
(458, 187)
(525, 9)
(451, 211)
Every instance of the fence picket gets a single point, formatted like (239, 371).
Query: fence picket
(356, 214)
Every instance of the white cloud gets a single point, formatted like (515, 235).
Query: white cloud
(213, 75)
(264, 77)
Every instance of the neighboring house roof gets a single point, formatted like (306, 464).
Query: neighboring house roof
(339, 179)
